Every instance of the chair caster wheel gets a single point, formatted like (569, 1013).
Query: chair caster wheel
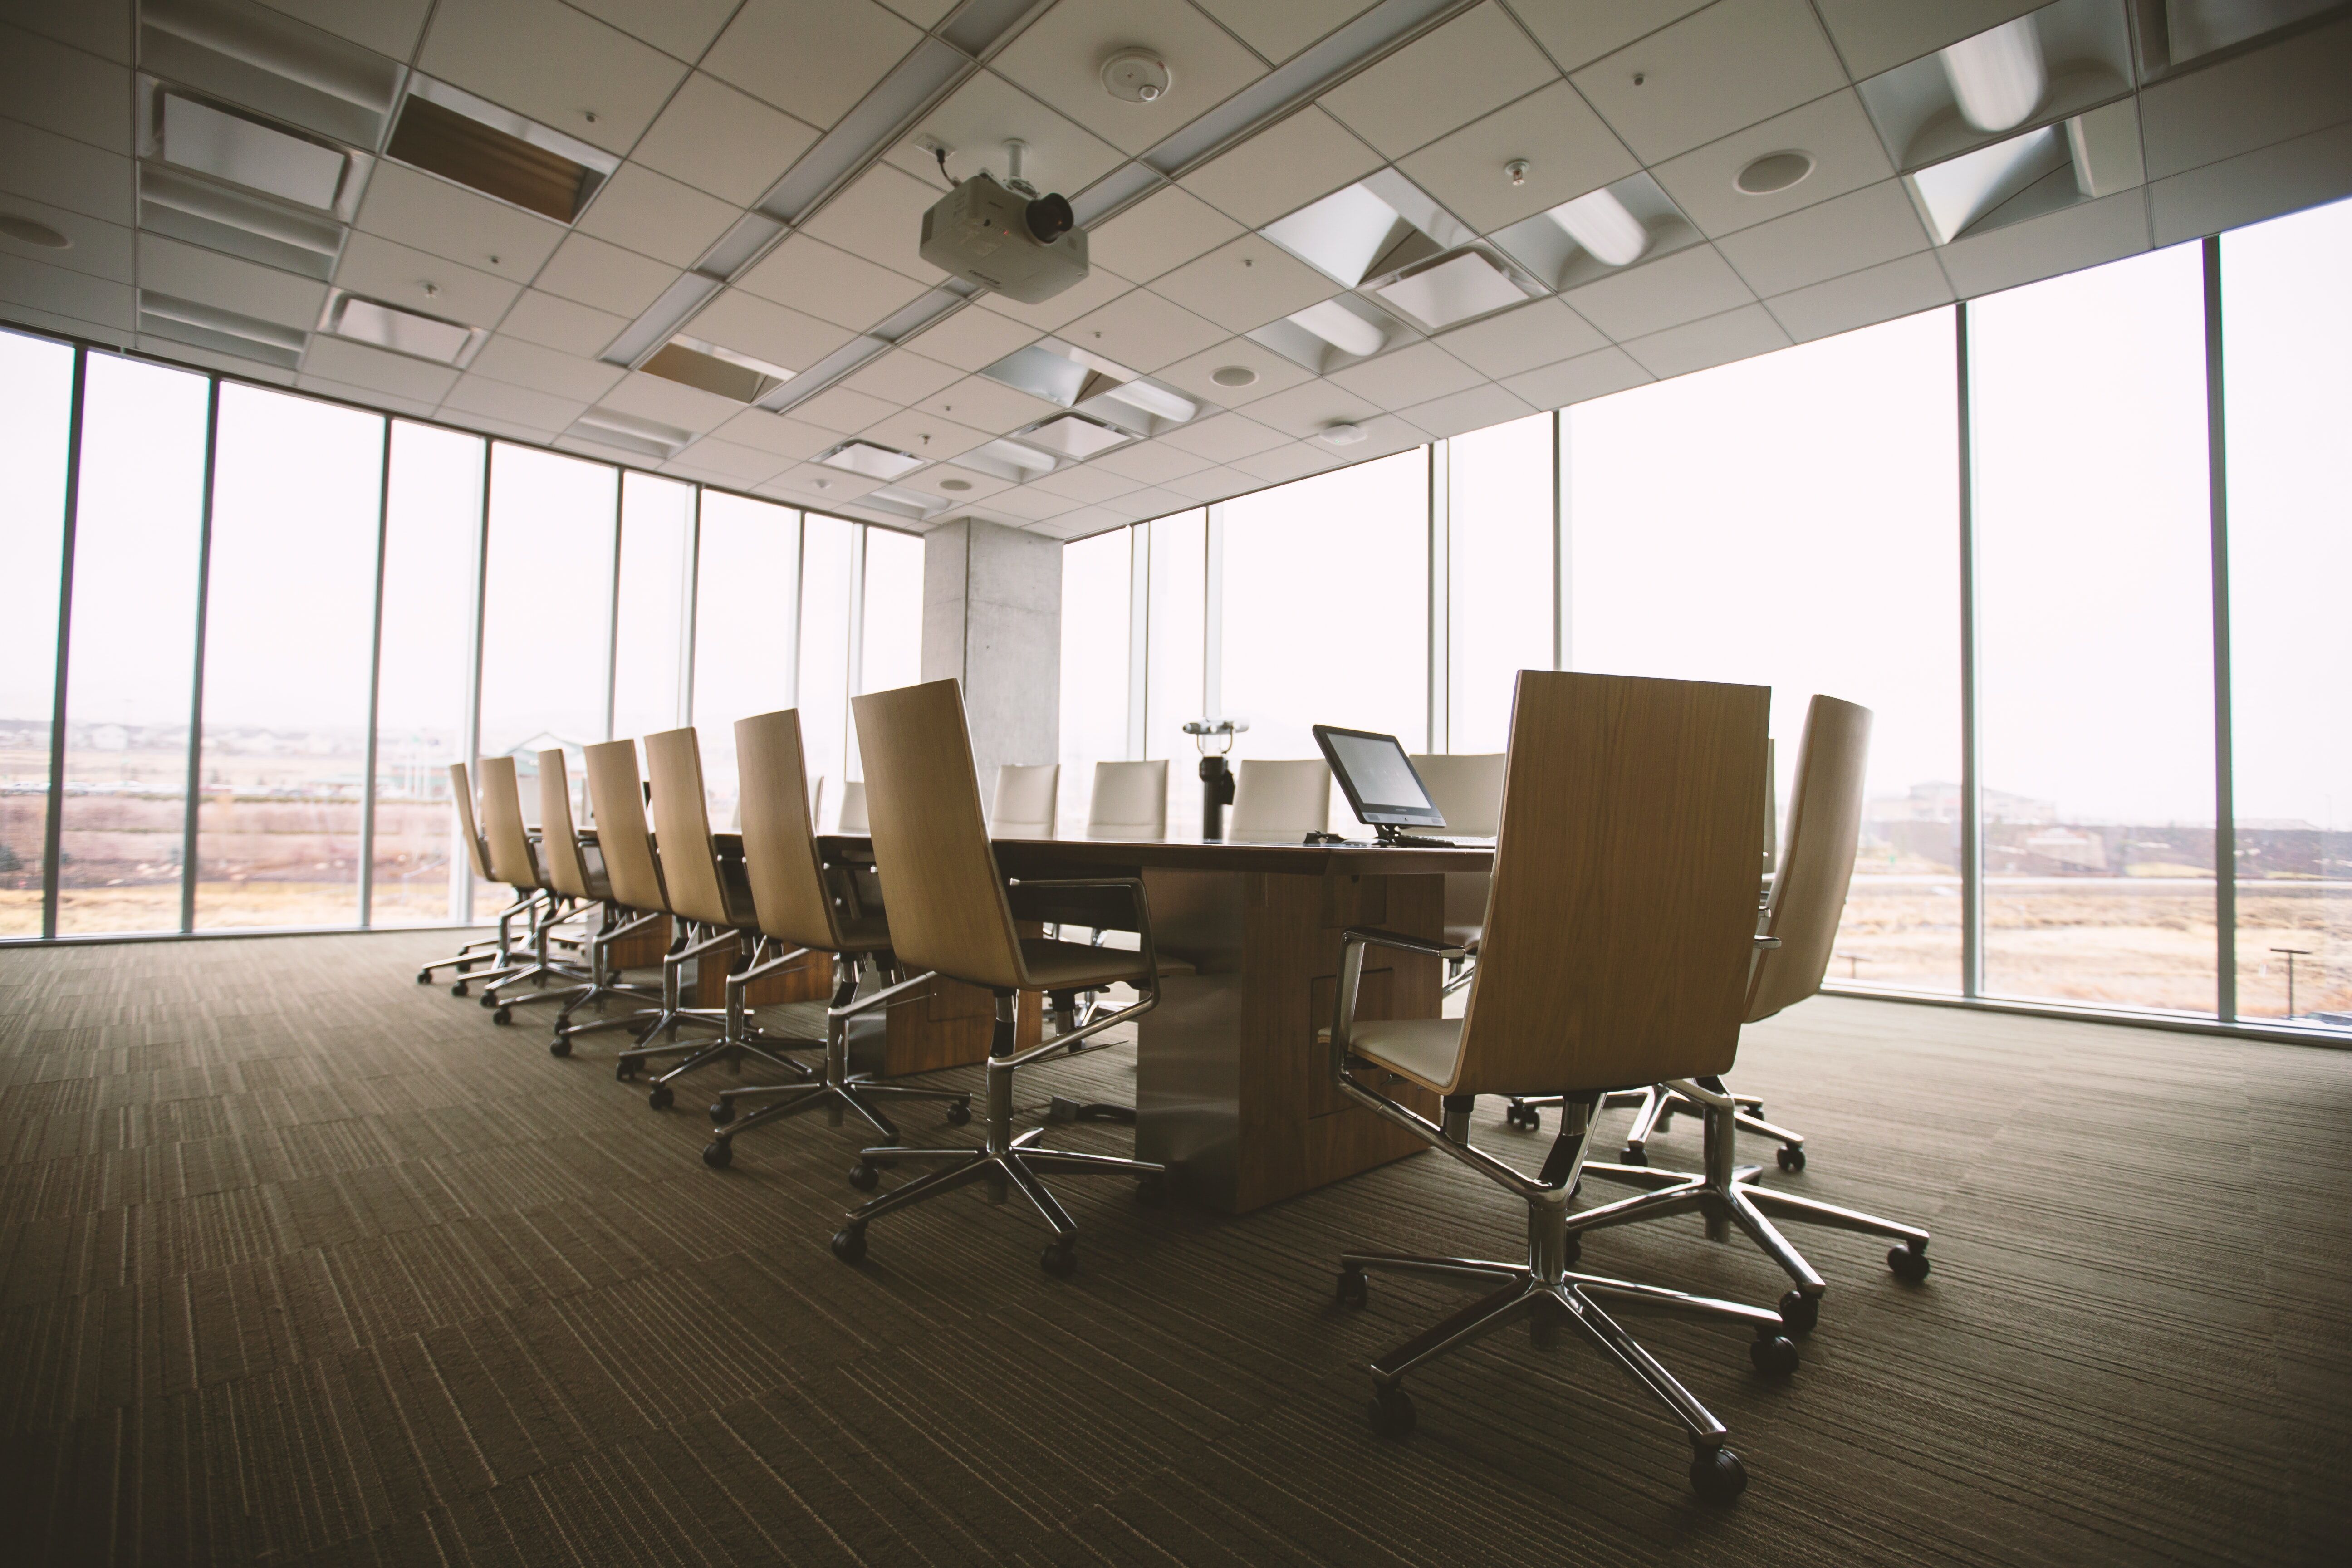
(1718, 1474)
(1525, 1117)
(503, 1015)
(1151, 1192)
(959, 1112)
(1392, 1412)
(1355, 1290)
(1791, 1157)
(559, 1047)
(459, 988)
(1910, 1264)
(625, 1071)
(1635, 1154)
(719, 1154)
(722, 1112)
(661, 1097)
(491, 998)
(1774, 1355)
(864, 1177)
(1800, 1311)
(425, 978)
(1060, 1258)
(850, 1244)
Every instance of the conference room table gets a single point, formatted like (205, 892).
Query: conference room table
(1234, 1090)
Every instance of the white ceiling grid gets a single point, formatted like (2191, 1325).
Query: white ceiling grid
(714, 107)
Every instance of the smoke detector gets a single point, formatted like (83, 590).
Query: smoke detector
(1136, 76)
(1342, 434)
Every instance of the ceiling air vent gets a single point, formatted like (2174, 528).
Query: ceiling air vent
(875, 462)
(459, 137)
(708, 367)
(211, 327)
(401, 330)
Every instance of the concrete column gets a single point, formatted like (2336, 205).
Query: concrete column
(992, 619)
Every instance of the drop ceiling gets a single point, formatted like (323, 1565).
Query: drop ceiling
(752, 176)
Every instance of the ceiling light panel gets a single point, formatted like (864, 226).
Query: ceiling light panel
(1955, 194)
(1068, 435)
(2029, 70)
(1598, 233)
(247, 153)
(400, 329)
(873, 462)
(242, 222)
(448, 132)
(258, 59)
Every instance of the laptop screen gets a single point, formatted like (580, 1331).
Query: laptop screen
(1378, 778)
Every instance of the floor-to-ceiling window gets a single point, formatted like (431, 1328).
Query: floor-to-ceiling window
(890, 621)
(1177, 549)
(745, 645)
(1098, 598)
(36, 423)
(2095, 606)
(1502, 574)
(653, 604)
(2288, 323)
(828, 576)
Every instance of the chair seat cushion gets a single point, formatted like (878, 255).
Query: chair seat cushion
(864, 933)
(1075, 966)
(1422, 1049)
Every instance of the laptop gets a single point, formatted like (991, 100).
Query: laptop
(1382, 788)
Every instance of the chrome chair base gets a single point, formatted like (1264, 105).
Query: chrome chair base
(500, 955)
(1654, 1110)
(1727, 1197)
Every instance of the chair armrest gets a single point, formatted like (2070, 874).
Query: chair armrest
(1138, 903)
(1374, 937)
(1352, 943)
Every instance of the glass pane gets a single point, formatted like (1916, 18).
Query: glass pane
(825, 588)
(656, 586)
(1501, 571)
(133, 646)
(1096, 598)
(432, 559)
(547, 612)
(1793, 521)
(2286, 323)
(891, 623)
(1355, 651)
(1178, 549)
(2095, 595)
(288, 632)
(36, 407)
(749, 573)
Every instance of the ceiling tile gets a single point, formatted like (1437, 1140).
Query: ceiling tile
(1567, 151)
(1060, 56)
(1475, 63)
(517, 406)
(1833, 131)
(957, 486)
(561, 324)
(778, 433)
(1876, 36)
(209, 277)
(1293, 460)
(1245, 284)
(1302, 412)
(1090, 292)
(1733, 64)
(1085, 483)
(399, 276)
(2285, 177)
(2232, 106)
(2072, 237)
(65, 90)
(1211, 484)
(721, 140)
(813, 61)
(734, 465)
(1283, 168)
(1224, 438)
(594, 272)
(65, 173)
(814, 484)
(1658, 294)
(922, 13)
(926, 435)
(681, 27)
(880, 218)
(972, 340)
(1586, 376)
(655, 216)
(1151, 462)
(765, 330)
(512, 360)
(1463, 412)
(1147, 504)
(974, 123)
(368, 396)
(902, 376)
(1875, 294)
(843, 409)
(441, 219)
(40, 295)
(1859, 229)
(1163, 230)
(387, 26)
(103, 31)
(1414, 373)
(986, 405)
(100, 249)
(1717, 340)
(554, 63)
(667, 402)
(815, 276)
(1197, 375)
(1521, 339)
(1280, 28)
(1577, 32)
(357, 365)
(1143, 332)
(1030, 503)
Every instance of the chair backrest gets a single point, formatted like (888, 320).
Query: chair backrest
(1619, 938)
(1284, 799)
(558, 841)
(1130, 801)
(1468, 790)
(1024, 805)
(461, 790)
(502, 829)
(1817, 860)
(780, 853)
(853, 805)
(939, 881)
(626, 847)
(682, 826)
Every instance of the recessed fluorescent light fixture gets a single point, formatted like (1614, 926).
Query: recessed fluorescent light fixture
(1157, 401)
(1453, 289)
(1375, 225)
(708, 367)
(1068, 435)
(1956, 193)
(875, 462)
(904, 501)
(1341, 328)
(630, 433)
(1007, 460)
(1998, 77)
(404, 331)
(1597, 221)
(249, 154)
(447, 132)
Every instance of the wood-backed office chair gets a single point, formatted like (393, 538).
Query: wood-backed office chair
(1468, 790)
(1281, 799)
(577, 872)
(950, 915)
(711, 901)
(1130, 801)
(497, 951)
(798, 913)
(1801, 919)
(1026, 803)
(1617, 947)
(515, 862)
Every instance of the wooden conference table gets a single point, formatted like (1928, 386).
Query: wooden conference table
(1234, 1093)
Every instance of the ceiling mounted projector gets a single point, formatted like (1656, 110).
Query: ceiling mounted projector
(1025, 247)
